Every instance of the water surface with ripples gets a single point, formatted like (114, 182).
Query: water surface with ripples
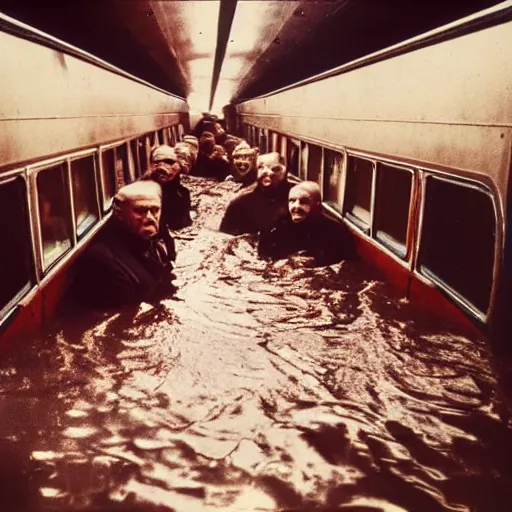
(260, 386)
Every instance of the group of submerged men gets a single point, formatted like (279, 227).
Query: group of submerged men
(132, 259)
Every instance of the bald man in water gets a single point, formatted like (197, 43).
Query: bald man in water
(129, 262)
(305, 230)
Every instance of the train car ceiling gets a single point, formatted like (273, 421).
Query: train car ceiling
(213, 52)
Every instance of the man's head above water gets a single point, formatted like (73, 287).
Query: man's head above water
(192, 141)
(165, 165)
(184, 156)
(304, 199)
(138, 206)
(271, 170)
(244, 158)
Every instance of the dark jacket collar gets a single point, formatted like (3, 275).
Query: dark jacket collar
(117, 229)
(281, 190)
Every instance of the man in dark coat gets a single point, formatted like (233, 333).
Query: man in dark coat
(305, 229)
(202, 164)
(129, 262)
(260, 205)
(165, 169)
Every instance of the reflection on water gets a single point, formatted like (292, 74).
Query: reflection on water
(259, 387)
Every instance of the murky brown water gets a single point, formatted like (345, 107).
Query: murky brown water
(260, 387)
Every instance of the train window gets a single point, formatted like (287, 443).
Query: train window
(16, 256)
(283, 152)
(122, 166)
(292, 157)
(143, 153)
(162, 138)
(458, 239)
(134, 150)
(263, 144)
(83, 181)
(314, 172)
(115, 171)
(333, 182)
(54, 214)
(358, 192)
(276, 142)
(108, 178)
(181, 132)
(303, 161)
(392, 205)
(264, 141)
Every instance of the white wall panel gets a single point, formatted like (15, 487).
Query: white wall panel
(51, 102)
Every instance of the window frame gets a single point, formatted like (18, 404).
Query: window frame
(107, 147)
(34, 277)
(329, 204)
(33, 172)
(410, 216)
(77, 156)
(482, 316)
(172, 135)
(265, 137)
(135, 173)
(292, 142)
(275, 142)
(350, 218)
(180, 132)
(162, 136)
(320, 179)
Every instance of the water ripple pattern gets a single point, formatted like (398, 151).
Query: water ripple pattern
(260, 386)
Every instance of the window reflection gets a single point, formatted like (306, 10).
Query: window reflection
(134, 161)
(162, 139)
(359, 191)
(303, 161)
(174, 136)
(333, 182)
(292, 157)
(392, 203)
(315, 164)
(108, 176)
(283, 151)
(115, 171)
(83, 180)
(264, 141)
(121, 166)
(54, 215)
(143, 146)
(276, 142)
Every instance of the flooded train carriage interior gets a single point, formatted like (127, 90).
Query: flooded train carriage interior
(378, 383)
